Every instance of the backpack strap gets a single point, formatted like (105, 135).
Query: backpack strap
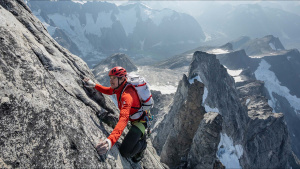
(139, 113)
(123, 91)
(126, 85)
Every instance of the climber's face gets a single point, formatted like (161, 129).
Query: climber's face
(114, 82)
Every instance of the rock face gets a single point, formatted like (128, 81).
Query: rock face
(258, 46)
(278, 68)
(237, 43)
(236, 60)
(227, 46)
(205, 142)
(221, 94)
(247, 127)
(280, 74)
(259, 137)
(275, 150)
(119, 59)
(167, 124)
(185, 124)
(177, 136)
(48, 119)
(160, 108)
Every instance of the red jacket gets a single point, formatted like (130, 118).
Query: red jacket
(128, 101)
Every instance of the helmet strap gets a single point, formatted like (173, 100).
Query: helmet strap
(119, 82)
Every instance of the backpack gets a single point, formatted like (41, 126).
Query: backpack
(142, 88)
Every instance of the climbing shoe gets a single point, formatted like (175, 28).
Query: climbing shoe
(138, 157)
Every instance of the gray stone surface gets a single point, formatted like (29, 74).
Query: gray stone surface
(205, 142)
(47, 118)
(166, 125)
(221, 93)
(267, 143)
(251, 124)
(285, 65)
(184, 126)
(236, 60)
(160, 109)
(258, 46)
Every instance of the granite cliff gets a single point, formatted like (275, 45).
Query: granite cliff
(48, 119)
(247, 134)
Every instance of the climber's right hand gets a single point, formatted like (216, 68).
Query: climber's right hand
(102, 147)
(89, 83)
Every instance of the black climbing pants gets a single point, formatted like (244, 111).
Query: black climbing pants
(133, 143)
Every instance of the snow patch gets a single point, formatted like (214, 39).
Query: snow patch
(197, 78)
(106, 69)
(190, 55)
(80, 2)
(273, 85)
(272, 46)
(289, 58)
(209, 109)
(257, 56)
(205, 94)
(165, 89)
(228, 153)
(218, 51)
(235, 74)
(247, 101)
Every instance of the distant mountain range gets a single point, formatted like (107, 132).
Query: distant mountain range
(94, 30)
(223, 22)
(264, 59)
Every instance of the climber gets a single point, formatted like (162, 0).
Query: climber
(134, 142)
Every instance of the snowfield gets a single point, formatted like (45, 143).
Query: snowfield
(217, 51)
(163, 80)
(273, 85)
(228, 153)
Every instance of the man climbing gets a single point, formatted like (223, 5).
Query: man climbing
(129, 103)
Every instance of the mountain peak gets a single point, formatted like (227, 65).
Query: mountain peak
(259, 46)
(117, 59)
(235, 60)
(227, 46)
(274, 42)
